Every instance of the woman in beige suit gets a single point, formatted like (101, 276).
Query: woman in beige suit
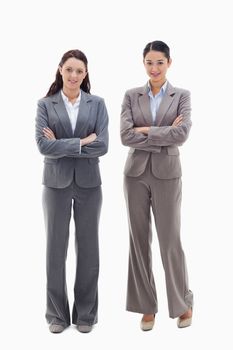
(155, 120)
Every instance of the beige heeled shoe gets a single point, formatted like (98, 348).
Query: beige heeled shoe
(185, 322)
(147, 325)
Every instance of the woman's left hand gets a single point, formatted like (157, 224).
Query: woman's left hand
(49, 134)
(142, 129)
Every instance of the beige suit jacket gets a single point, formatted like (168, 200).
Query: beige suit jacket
(161, 144)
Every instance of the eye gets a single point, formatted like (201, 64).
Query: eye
(69, 69)
(79, 71)
(160, 63)
(149, 63)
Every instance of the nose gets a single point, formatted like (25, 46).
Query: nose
(155, 65)
(73, 74)
(154, 70)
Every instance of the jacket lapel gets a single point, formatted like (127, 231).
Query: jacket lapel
(144, 103)
(165, 104)
(60, 109)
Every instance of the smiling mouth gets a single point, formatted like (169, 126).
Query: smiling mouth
(155, 74)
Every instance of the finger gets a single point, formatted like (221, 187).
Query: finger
(49, 132)
(48, 136)
(46, 132)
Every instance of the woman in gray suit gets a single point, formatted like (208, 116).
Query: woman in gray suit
(155, 120)
(72, 133)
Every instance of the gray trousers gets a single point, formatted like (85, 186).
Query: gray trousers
(164, 197)
(57, 205)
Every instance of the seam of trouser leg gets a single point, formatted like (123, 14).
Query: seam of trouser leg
(59, 312)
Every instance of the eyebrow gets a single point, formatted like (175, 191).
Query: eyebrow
(75, 68)
(161, 60)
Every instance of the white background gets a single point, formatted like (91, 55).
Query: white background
(34, 36)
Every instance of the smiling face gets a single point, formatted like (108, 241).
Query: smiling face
(156, 65)
(73, 72)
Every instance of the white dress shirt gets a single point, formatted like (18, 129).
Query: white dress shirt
(72, 109)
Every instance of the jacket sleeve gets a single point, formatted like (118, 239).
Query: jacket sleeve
(69, 147)
(169, 135)
(128, 136)
(100, 146)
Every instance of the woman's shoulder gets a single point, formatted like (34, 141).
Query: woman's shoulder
(48, 99)
(180, 90)
(136, 90)
(93, 98)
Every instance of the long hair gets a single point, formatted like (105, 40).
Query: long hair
(57, 85)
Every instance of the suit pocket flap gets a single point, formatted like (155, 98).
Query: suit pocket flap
(173, 151)
(93, 160)
(50, 160)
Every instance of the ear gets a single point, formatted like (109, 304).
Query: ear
(60, 69)
(169, 62)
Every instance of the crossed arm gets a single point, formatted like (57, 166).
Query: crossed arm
(151, 138)
(49, 134)
(145, 129)
(92, 146)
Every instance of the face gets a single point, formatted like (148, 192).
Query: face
(73, 72)
(156, 65)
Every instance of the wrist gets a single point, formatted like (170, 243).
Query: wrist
(82, 142)
(146, 130)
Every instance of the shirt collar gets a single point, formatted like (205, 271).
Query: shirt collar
(66, 100)
(162, 90)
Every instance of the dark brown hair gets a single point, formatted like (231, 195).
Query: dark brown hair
(58, 83)
(157, 46)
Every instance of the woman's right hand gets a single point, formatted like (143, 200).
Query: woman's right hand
(89, 139)
(178, 120)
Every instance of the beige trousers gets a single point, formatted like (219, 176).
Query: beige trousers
(164, 197)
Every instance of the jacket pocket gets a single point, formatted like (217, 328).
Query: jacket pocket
(50, 160)
(173, 151)
(93, 160)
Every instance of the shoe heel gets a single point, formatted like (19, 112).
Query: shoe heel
(185, 322)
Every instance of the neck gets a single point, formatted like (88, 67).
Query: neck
(156, 86)
(71, 94)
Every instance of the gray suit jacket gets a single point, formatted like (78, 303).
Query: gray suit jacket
(63, 162)
(161, 144)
